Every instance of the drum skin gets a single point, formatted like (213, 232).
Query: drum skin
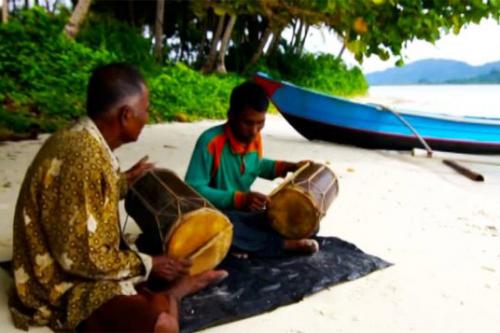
(296, 210)
(204, 236)
(177, 221)
(293, 214)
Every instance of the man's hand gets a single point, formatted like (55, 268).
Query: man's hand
(137, 170)
(292, 167)
(302, 163)
(169, 269)
(256, 202)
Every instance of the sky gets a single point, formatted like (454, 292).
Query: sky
(476, 44)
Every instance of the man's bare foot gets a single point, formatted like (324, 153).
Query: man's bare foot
(192, 284)
(306, 245)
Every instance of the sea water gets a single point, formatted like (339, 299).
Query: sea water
(460, 100)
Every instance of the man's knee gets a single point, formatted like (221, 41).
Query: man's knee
(166, 323)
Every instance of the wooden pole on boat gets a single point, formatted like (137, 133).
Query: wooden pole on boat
(452, 164)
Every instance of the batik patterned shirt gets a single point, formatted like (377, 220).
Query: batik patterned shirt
(68, 258)
(222, 169)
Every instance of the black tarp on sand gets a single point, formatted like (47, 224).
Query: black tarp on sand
(255, 286)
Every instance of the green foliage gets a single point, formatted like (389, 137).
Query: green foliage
(126, 43)
(379, 27)
(182, 93)
(322, 72)
(43, 74)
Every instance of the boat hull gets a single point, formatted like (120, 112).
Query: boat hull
(313, 130)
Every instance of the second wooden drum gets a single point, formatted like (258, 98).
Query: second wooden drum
(298, 205)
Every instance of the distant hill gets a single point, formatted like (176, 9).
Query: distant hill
(492, 77)
(436, 71)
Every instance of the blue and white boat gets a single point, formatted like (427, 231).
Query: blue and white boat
(325, 117)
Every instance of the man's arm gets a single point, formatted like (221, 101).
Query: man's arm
(270, 169)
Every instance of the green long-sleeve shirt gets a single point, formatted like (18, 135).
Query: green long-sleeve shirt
(222, 169)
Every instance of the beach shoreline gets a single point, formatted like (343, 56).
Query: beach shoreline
(440, 229)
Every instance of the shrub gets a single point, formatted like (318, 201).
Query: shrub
(126, 43)
(43, 74)
(322, 72)
(179, 91)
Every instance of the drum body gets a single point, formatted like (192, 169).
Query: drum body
(177, 221)
(298, 206)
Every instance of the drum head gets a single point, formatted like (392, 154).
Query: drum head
(204, 236)
(293, 214)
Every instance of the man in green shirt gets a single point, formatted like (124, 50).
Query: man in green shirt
(225, 163)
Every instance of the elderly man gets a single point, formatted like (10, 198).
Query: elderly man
(226, 161)
(71, 269)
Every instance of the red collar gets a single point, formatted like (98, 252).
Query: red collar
(238, 147)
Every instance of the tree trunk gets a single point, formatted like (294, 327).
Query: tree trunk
(263, 41)
(182, 29)
(297, 38)
(275, 42)
(221, 66)
(37, 2)
(160, 15)
(294, 28)
(131, 16)
(26, 4)
(179, 55)
(55, 5)
(5, 11)
(341, 51)
(73, 27)
(303, 42)
(254, 31)
(201, 48)
(185, 56)
(180, 49)
(209, 64)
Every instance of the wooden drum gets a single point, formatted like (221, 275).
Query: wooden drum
(300, 202)
(177, 221)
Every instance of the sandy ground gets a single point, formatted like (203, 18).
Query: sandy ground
(439, 229)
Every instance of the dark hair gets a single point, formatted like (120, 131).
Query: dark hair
(111, 83)
(248, 94)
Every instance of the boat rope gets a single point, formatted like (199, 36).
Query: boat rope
(407, 124)
(452, 164)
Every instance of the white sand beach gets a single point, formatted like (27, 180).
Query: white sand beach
(439, 229)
